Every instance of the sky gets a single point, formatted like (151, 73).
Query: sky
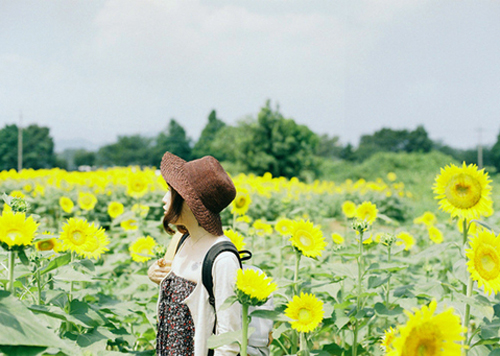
(93, 70)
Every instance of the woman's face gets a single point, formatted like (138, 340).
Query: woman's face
(167, 200)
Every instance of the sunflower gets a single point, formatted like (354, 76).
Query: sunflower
(262, 228)
(254, 286)
(51, 244)
(75, 235)
(283, 226)
(115, 209)
(435, 235)
(429, 334)
(388, 338)
(349, 209)
(307, 238)
(142, 249)
(138, 184)
(464, 191)
(236, 239)
(484, 260)
(241, 203)
(305, 311)
(87, 201)
(141, 210)
(16, 230)
(406, 239)
(337, 238)
(391, 176)
(66, 204)
(427, 219)
(367, 211)
(17, 194)
(129, 225)
(97, 242)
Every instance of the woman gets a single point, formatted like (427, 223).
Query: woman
(199, 191)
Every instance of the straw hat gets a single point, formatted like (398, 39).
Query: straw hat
(203, 184)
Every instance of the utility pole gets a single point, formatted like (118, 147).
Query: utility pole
(479, 148)
(20, 143)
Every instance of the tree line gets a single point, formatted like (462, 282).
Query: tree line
(269, 142)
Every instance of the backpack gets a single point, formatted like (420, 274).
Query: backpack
(259, 340)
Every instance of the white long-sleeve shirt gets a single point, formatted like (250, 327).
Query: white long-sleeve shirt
(187, 264)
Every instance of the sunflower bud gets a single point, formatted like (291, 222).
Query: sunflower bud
(19, 205)
(359, 225)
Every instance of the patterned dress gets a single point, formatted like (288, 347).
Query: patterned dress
(175, 325)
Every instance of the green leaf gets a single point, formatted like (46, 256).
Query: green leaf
(381, 309)
(22, 350)
(228, 302)
(22, 256)
(495, 353)
(376, 281)
(56, 263)
(83, 312)
(269, 314)
(228, 338)
(85, 263)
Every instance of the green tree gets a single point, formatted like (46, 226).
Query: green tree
(174, 140)
(329, 147)
(277, 145)
(128, 150)
(38, 147)
(203, 146)
(83, 157)
(494, 154)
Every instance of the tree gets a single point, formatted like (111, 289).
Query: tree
(129, 150)
(203, 146)
(84, 158)
(495, 154)
(38, 147)
(329, 147)
(174, 140)
(277, 145)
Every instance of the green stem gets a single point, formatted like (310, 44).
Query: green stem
(234, 221)
(387, 292)
(298, 255)
(71, 284)
(304, 351)
(467, 289)
(358, 298)
(244, 329)
(39, 286)
(12, 258)
(470, 285)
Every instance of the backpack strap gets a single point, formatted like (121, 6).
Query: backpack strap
(206, 272)
(181, 241)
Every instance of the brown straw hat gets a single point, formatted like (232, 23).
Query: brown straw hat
(203, 184)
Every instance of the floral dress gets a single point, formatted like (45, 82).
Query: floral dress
(175, 325)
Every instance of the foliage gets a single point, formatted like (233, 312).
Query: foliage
(128, 150)
(172, 139)
(495, 154)
(38, 147)
(203, 146)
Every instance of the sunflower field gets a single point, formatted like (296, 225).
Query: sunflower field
(367, 266)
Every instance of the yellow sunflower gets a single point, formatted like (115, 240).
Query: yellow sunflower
(464, 191)
(428, 334)
(236, 239)
(129, 225)
(427, 219)
(391, 176)
(337, 238)
(307, 238)
(262, 228)
(254, 284)
(388, 338)
(16, 229)
(305, 311)
(406, 239)
(142, 249)
(138, 184)
(241, 203)
(349, 209)
(141, 210)
(97, 242)
(484, 260)
(66, 204)
(367, 211)
(87, 201)
(115, 209)
(51, 244)
(283, 226)
(75, 235)
(435, 235)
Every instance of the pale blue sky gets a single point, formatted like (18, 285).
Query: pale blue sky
(97, 69)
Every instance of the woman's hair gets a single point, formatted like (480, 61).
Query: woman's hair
(174, 212)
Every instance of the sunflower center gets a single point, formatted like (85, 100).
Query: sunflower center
(422, 341)
(488, 262)
(304, 315)
(77, 237)
(240, 202)
(13, 235)
(305, 238)
(463, 191)
(46, 245)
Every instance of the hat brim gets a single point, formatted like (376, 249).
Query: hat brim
(173, 171)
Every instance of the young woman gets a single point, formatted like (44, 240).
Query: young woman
(199, 191)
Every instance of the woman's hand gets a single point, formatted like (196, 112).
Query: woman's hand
(159, 270)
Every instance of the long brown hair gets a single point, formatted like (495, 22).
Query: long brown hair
(174, 212)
